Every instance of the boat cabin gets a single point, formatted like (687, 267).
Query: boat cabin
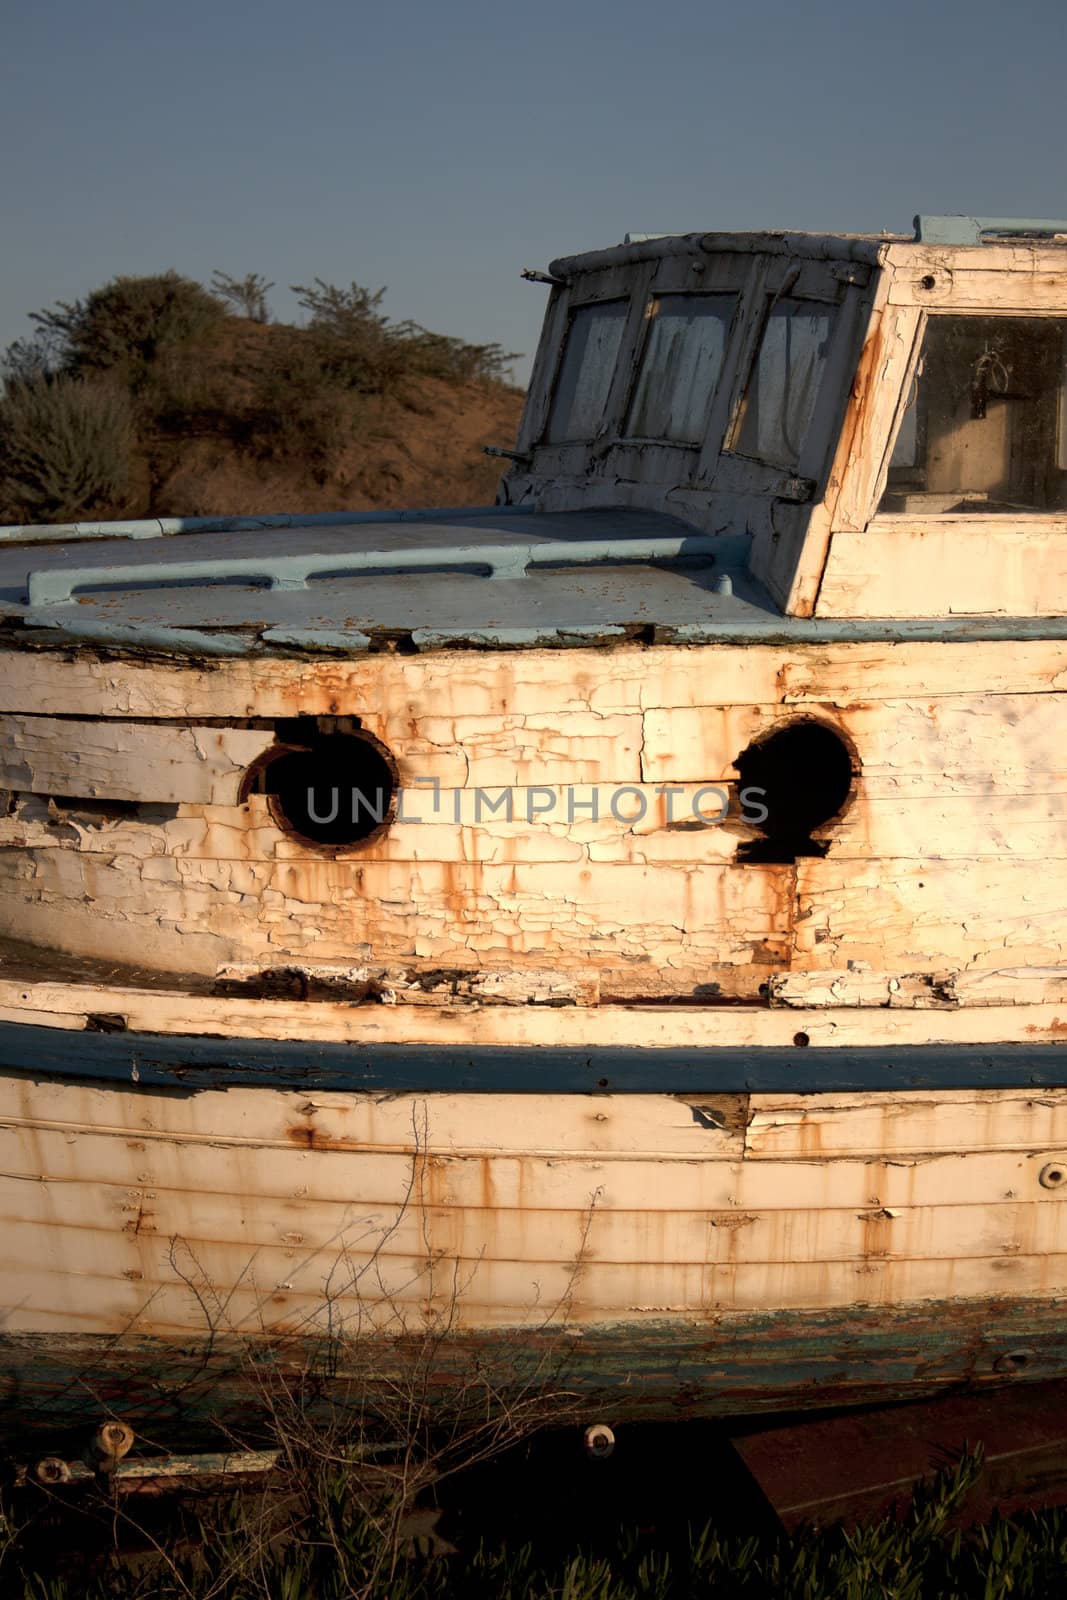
(884, 419)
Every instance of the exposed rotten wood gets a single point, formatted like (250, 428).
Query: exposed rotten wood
(407, 985)
(860, 986)
(528, 1025)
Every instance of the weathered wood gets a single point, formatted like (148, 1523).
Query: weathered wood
(942, 987)
(727, 1362)
(408, 1053)
(939, 566)
(407, 985)
(401, 1082)
(976, 914)
(977, 778)
(647, 1211)
(880, 393)
(456, 914)
(1025, 279)
(146, 762)
(535, 682)
(790, 1126)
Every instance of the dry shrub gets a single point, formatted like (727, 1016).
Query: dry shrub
(65, 447)
(327, 405)
(124, 327)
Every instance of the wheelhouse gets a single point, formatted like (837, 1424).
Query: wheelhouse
(884, 419)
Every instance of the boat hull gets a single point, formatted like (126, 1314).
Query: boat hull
(173, 1247)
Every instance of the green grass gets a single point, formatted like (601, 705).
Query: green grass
(321, 1550)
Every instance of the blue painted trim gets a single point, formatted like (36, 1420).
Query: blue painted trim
(191, 1062)
(57, 586)
(957, 229)
(786, 631)
(163, 527)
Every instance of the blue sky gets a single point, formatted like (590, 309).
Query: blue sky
(438, 149)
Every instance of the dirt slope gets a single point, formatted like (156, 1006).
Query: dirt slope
(427, 452)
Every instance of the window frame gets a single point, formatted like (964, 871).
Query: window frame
(823, 283)
(573, 312)
(693, 472)
(689, 291)
(595, 288)
(909, 380)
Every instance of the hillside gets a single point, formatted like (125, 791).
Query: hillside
(157, 396)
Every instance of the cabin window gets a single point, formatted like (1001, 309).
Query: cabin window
(779, 401)
(985, 426)
(681, 365)
(590, 353)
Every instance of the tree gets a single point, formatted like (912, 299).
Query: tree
(247, 295)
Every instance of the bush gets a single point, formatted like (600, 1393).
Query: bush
(125, 326)
(65, 448)
(106, 392)
(297, 412)
(358, 347)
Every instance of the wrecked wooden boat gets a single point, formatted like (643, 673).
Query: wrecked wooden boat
(626, 922)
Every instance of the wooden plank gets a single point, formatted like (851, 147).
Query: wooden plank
(324, 909)
(882, 1127)
(659, 1126)
(152, 762)
(449, 1023)
(963, 813)
(651, 1059)
(285, 1171)
(1009, 740)
(978, 914)
(1026, 289)
(126, 760)
(880, 392)
(323, 1292)
(525, 682)
(937, 987)
(1013, 263)
(729, 1362)
(366, 1231)
(947, 567)
(549, 1126)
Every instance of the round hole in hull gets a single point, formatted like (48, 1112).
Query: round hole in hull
(337, 790)
(801, 776)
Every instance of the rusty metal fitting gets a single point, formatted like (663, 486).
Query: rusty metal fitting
(110, 1442)
(1014, 1361)
(599, 1441)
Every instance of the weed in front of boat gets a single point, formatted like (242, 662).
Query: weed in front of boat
(357, 1409)
(228, 1550)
